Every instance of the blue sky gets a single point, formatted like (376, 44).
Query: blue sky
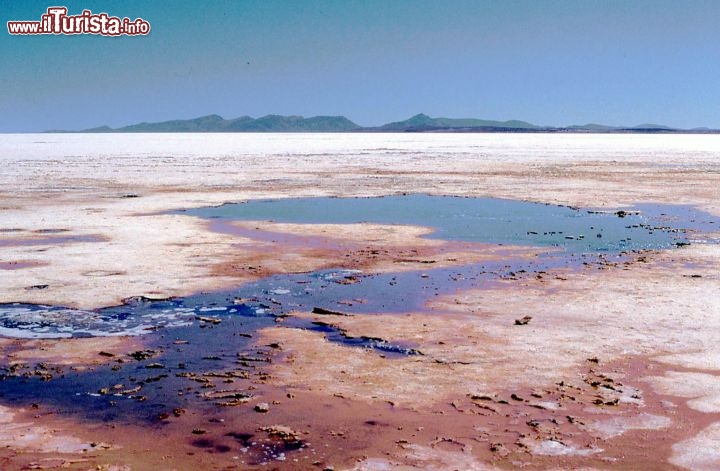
(547, 62)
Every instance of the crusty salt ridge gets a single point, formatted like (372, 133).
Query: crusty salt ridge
(81, 184)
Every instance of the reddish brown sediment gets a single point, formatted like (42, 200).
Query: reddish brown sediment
(504, 428)
(76, 352)
(472, 345)
(253, 231)
(600, 416)
(270, 248)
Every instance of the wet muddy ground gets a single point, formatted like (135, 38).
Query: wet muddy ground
(266, 336)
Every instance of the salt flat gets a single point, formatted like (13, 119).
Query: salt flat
(650, 323)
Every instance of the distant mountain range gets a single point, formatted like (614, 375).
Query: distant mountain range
(269, 123)
(418, 123)
(423, 122)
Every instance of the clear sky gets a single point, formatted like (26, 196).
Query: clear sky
(554, 62)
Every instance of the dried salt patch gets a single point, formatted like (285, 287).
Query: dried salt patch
(708, 404)
(703, 389)
(375, 464)
(616, 426)
(437, 459)
(5, 415)
(585, 468)
(35, 437)
(707, 360)
(631, 395)
(56, 444)
(425, 458)
(701, 452)
(547, 405)
(556, 448)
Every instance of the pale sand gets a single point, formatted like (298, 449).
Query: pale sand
(652, 310)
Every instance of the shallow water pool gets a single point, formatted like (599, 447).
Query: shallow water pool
(485, 220)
